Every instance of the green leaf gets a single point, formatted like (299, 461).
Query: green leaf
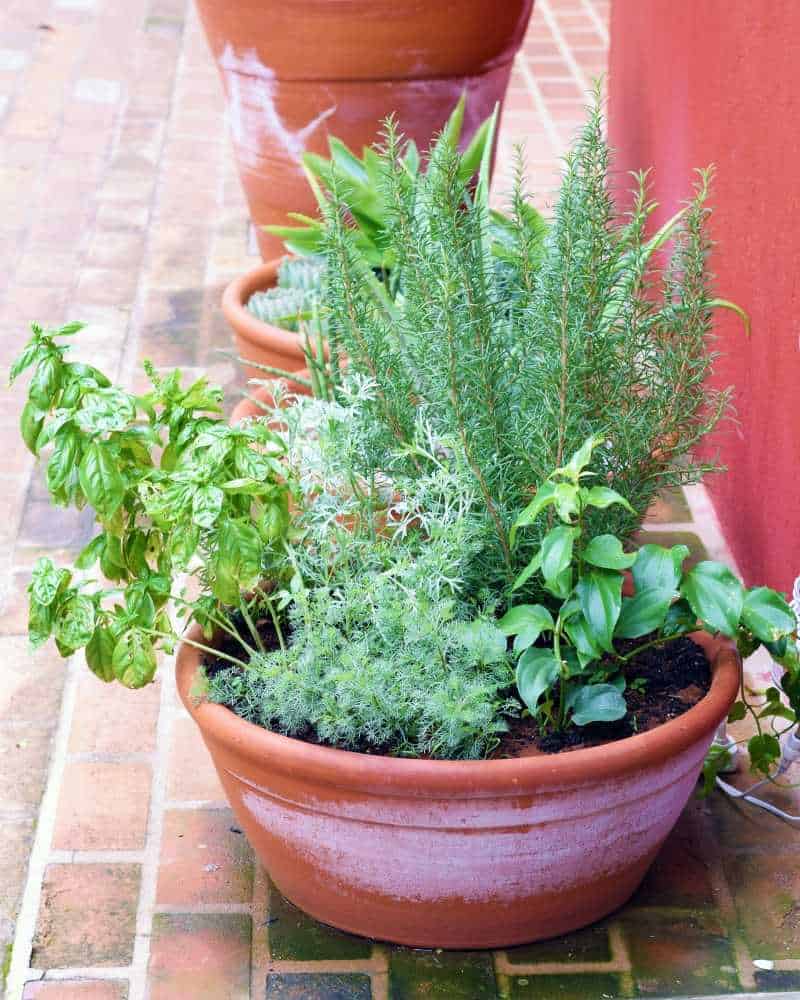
(645, 612)
(101, 480)
(236, 563)
(100, 652)
(715, 596)
(89, 555)
(532, 567)
(537, 670)
(598, 703)
(30, 425)
(139, 604)
(46, 382)
(105, 410)
(470, 159)
(738, 712)
(581, 458)
(764, 750)
(600, 595)
(545, 495)
(134, 660)
(451, 132)
(64, 460)
(112, 561)
(45, 581)
(207, 505)
(183, 542)
(602, 497)
(484, 641)
(679, 618)
(767, 615)
(606, 552)
(31, 353)
(40, 622)
(557, 551)
(75, 622)
(583, 639)
(526, 616)
(657, 567)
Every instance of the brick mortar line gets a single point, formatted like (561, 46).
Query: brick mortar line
(109, 857)
(104, 757)
(599, 24)
(20, 970)
(561, 43)
(259, 930)
(366, 966)
(202, 908)
(152, 849)
(188, 805)
(99, 972)
(540, 104)
(507, 968)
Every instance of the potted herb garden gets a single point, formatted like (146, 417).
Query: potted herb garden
(450, 702)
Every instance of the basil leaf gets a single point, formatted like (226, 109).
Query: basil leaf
(134, 660)
(101, 480)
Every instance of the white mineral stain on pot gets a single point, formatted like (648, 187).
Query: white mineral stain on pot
(252, 112)
(400, 852)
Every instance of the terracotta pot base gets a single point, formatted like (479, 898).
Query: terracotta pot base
(460, 854)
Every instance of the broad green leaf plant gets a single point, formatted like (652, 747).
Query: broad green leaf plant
(174, 488)
(569, 670)
(362, 180)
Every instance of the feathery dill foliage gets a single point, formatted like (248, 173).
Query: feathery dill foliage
(504, 346)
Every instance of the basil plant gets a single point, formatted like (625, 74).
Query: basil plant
(174, 489)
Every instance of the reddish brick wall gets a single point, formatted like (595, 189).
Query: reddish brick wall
(696, 83)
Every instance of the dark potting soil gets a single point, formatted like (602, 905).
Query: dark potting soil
(673, 677)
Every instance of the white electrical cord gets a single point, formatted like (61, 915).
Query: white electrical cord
(790, 748)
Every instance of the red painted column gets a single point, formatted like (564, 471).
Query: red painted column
(694, 82)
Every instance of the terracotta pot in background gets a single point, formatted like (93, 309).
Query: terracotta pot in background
(296, 72)
(256, 340)
(460, 854)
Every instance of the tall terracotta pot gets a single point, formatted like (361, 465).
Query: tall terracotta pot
(460, 854)
(294, 72)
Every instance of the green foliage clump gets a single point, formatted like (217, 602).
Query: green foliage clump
(580, 334)
(172, 485)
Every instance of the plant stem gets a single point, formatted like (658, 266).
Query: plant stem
(654, 642)
(276, 623)
(562, 682)
(199, 645)
(251, 626)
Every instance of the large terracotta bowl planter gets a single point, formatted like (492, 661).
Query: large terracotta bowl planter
(256, 340)
(294, 73)
(460, 854)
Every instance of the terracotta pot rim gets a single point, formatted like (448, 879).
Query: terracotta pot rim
(255, 331)
(471, 778)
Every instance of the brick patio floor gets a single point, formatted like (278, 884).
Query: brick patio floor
(122, 871)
